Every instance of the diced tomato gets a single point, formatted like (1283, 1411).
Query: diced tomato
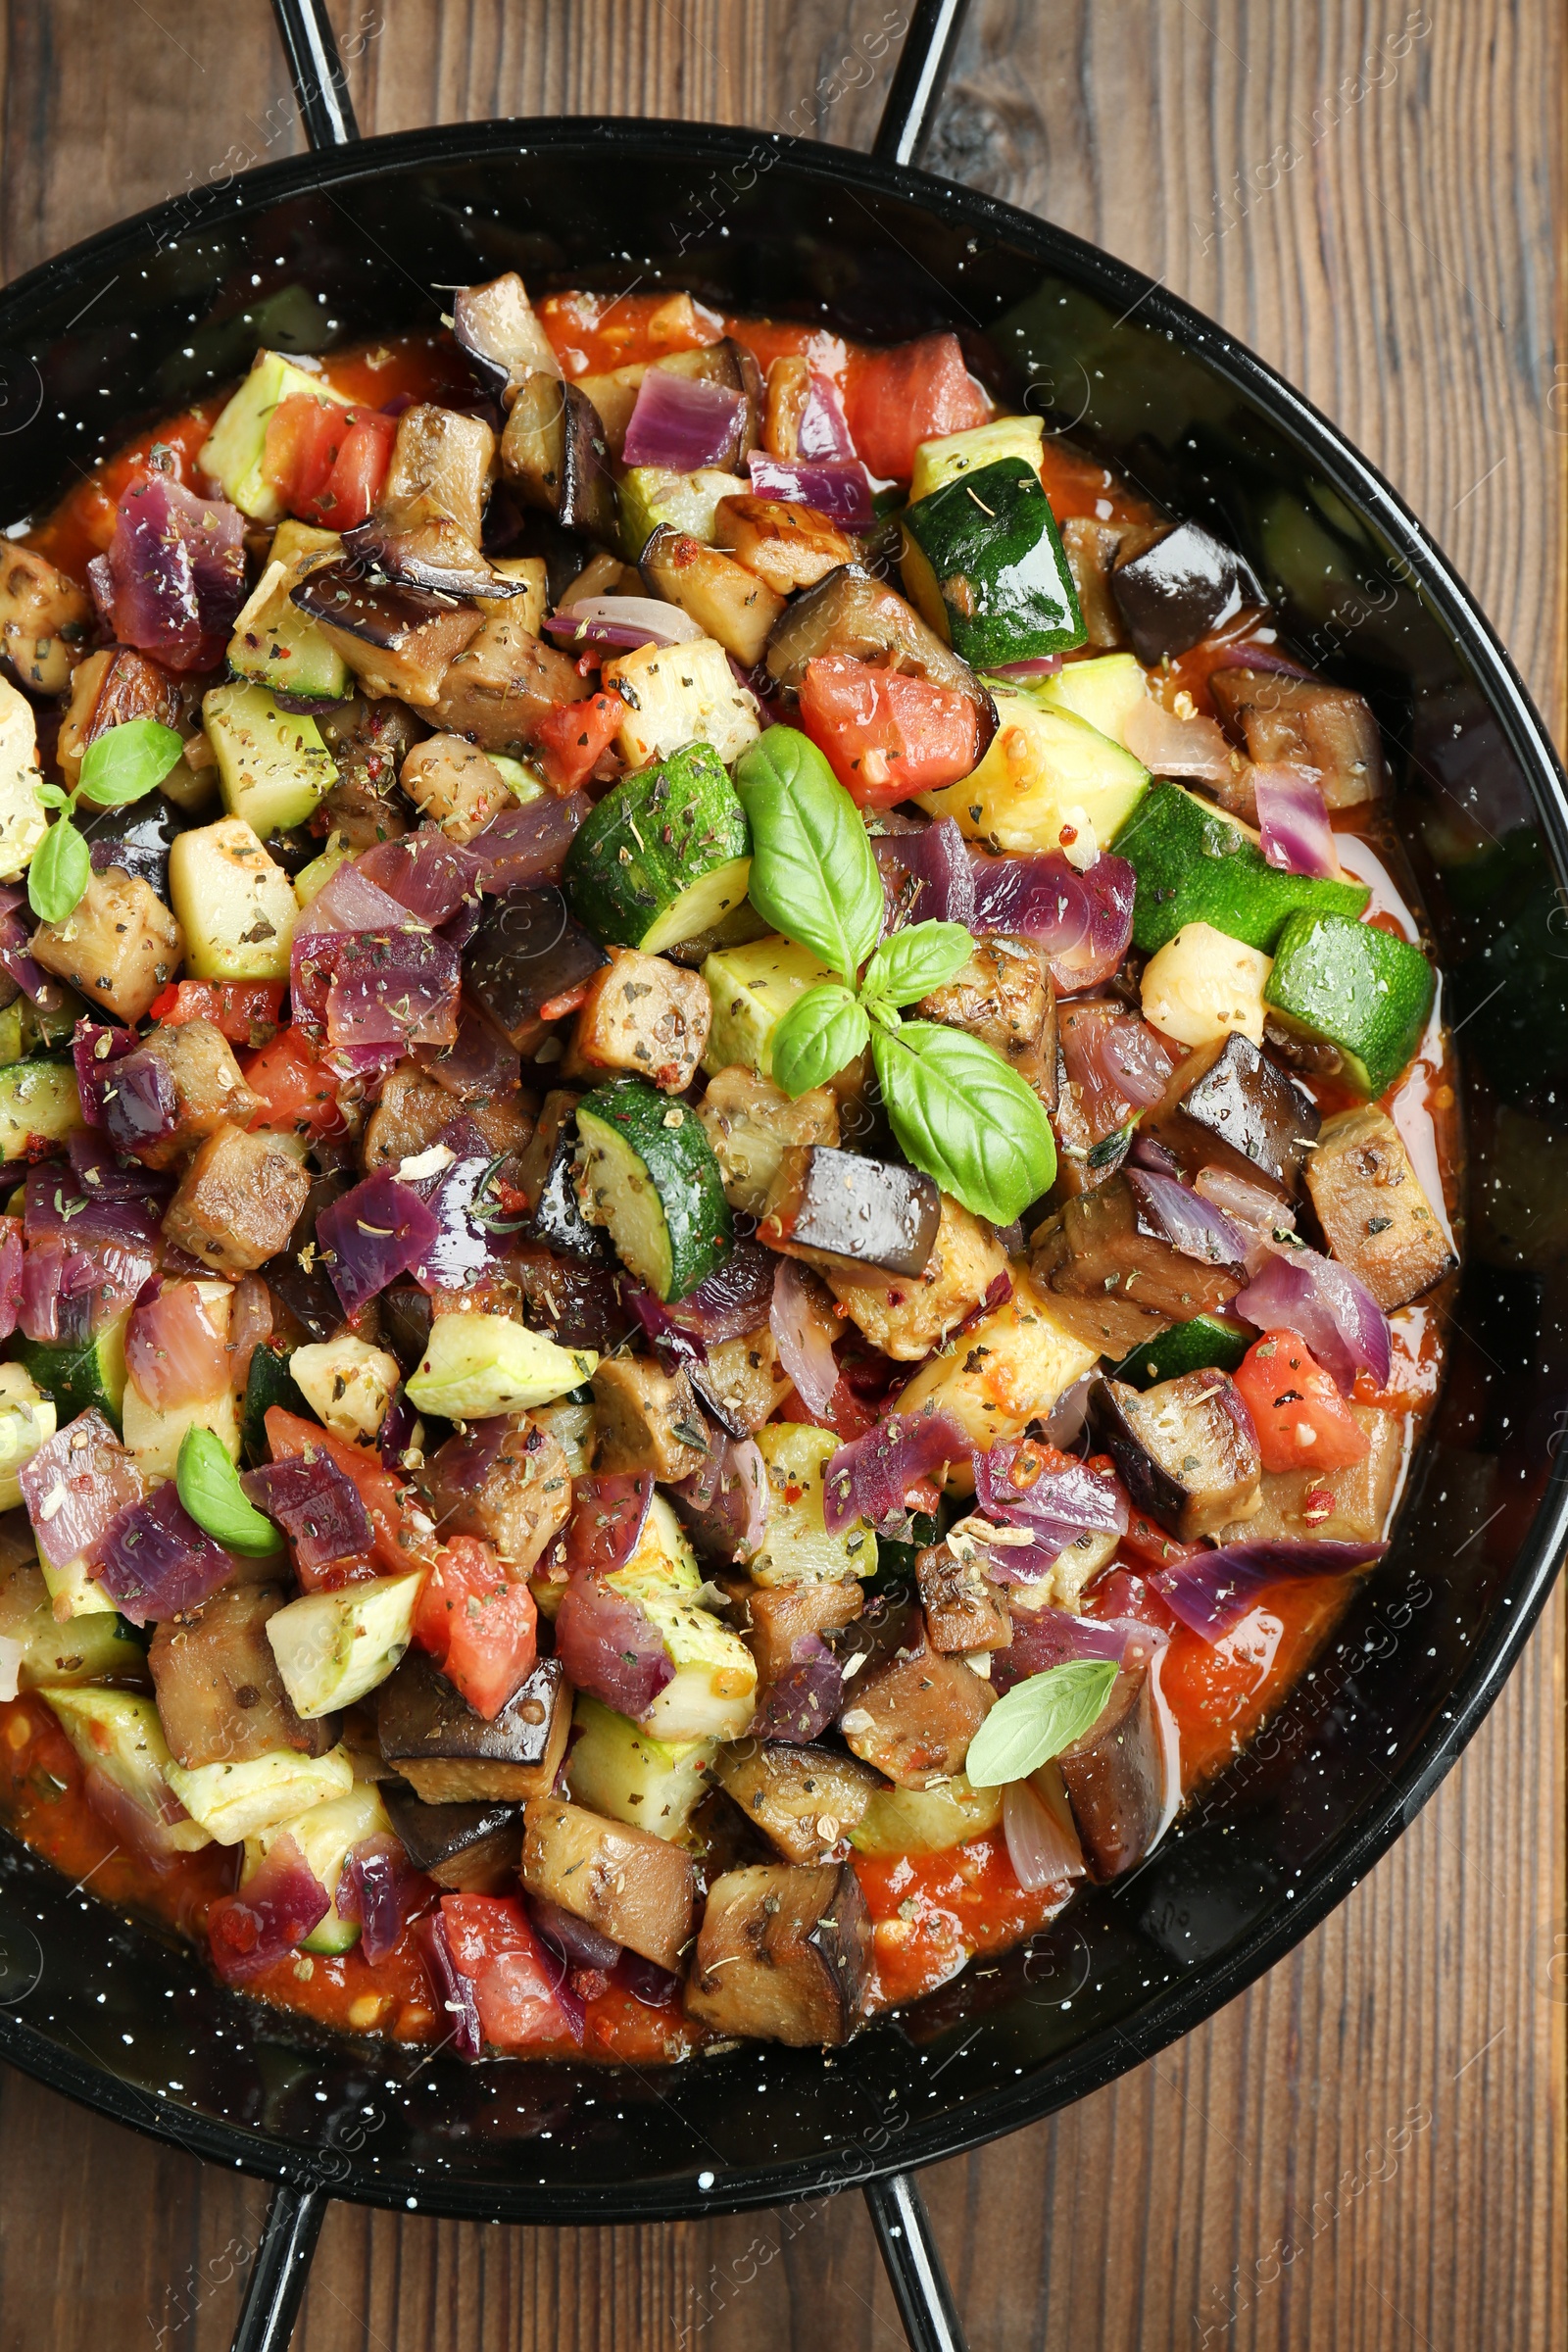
(245, 1010)
(326, 461)
(886, 736)
(1150, 1546)
(298, 1096)
(514, 1982)
(920, 391)
(1302, 1422)
(572, 736)
(404, 1536)
(353, 484)
(480, 1629)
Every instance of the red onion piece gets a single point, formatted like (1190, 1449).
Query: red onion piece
(70, 1293)
(77, 1485)
(1043, 1850)
(799, 1704)
(464, 1247)
(1135, 1061)
(608, 1516)
(96, 1049)
(837, 487)
(153, 1561)
(142, 1832)
(1214, 1591)
(1246, 654)
(352, 900)
(454, 1993)
(16, 957)
(478, 1066)
(460, 1467)
(1027, 1485)
(250, 1322)
(623, 620)
(576, 1942)
(1293, 819)
(1065, 1420)
(672, 1345)
(318, 1507)
(732, 1301)
(1040, 665)
(12, 1263)
(1048, 1636)
(1169, 746)
(821, 430)
(269, 1917)
(609, 1646)
(803, 1335)
(173, 1353)
(1257, 1213)
(682, 422)
(176, 566)
(428, 876)
(1190, 1223)
(381, 1890)
(528, 845)
(871, 1478)
(101, 583)
(1083, 921)
(375, 1232)
(397, 988)
(654, 1986)
(1324, 1304)
(723, 1505)
(927, 876)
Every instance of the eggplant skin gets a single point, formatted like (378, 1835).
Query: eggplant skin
(784, 1954)
(1115, 1775)
(1185, 586)
(1185, 1448)
(837, 1209)
(1229, 1107)
(469, 1849)
(850, 611)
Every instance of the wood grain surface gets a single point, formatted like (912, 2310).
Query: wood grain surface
(1365, 2153)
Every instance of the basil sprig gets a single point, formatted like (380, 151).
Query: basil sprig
(208, 1485)
(1037, 1718)
(120, 766)
(960, 1113)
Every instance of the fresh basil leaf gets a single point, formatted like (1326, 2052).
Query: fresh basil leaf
(1036, 1720)
(208, 1485)
(125, 763)
(61, 871)
(964, 1118)
(912, 962)
(821, 1031)
(50, 796)
(813, 876)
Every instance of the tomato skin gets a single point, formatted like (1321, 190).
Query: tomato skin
(481, 1630)
(326, 462)
(245, 1012)
(1149, 1545)
(886, 736)
(920, 391)
(1302, 1422)
(351, 488)
(298, 1096)
(514, 1983)
(572, 738)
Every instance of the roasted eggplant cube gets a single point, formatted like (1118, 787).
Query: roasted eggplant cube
(784, 1954)
(912, 1711)
(219, 1697)
(471, 1849)
(238, 1201)
(751, 1123)
(774, 1618)
(804, 1799)
(528, 957)
(647, 1420)
(963, 1608)
(629, 1884)
(646, 1017)
(207, 1089)
(1003, 996)
(398, 640)
(501, 682)
(579, 1305)
(1229, 1107)
(1186, 1449)
(517, 1508)
(1114, 1776)
(906, 1315)
(1102, 1320)
(1375, 1216)
(546, 1180)
(1309, 723)
(787, 546)
(1184, 587)
(838, 1210)
(852, 612)
(1114, 1246)
(554, 454)
(449, 1755)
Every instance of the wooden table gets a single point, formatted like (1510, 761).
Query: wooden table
(1365, 2153)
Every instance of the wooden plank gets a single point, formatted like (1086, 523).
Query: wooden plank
(1366, 2152)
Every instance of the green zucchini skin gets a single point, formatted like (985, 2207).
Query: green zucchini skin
(656, 1184)
(663, 857)
(984, 551)
(1359, 988)
(1205, 1342)
(1195, 867)
(269, 1382)
(77, 1375)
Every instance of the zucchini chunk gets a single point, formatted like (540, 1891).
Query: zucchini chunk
(796, 1547)
(449, 1755)
(712, 1693)
(664, 855)
(1049, 780)
(1195, 864)
(1105, 691)
(1186, 1449)
(651, 495)
(219, 1694)
(1016, 1363)
(751, 988)
(725, 600)
(324, 1835)
(1307, 723)
(1355, 988)
(1229, 1107)
(236, 908)
(913, 1710)
(751, 1122)
(651, 1178)
(938, 463)
(680, 694)
(23, 822)
(1203, 987)
(96, 1648)
(784, 1954)
(644, 1016)
(476, 1365)
(332, 1647)
(472, 1849)
(1202, 1342)
(1375, 1216)
(44, 620)
(619, 1769)
(274, 644)
(234, 1802)
(844, 1212)
(805, 1799)
(983, 562)
(235, 448)
(638, 1888)
(39, 1108)
(118, 1733)
(926, 1821)
(154, 1434)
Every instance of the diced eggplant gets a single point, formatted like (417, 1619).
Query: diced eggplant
(527, 958)
(109, 689)
(732, 364)
(1309, 723)
(837, 1210)
(804, 1799)
(1114, 1243)
(495, 328)
(743, 1382)
(554, 454)
(1005, 997)
(1186, 1449)
(579, 1305)
(119, 945)
(298, 1274)
(44, 620)
(369, 741)
(648, 1420)
(406, 1318)
(1375, 1216)
(208, 1088)
(500, 683)
(645, 1016)
(786, 546)
(1337, 1506)
(1091, 549)
(750, 1123)
(397, 641)
(775, 1618)
(220, 1698)
(414, 1109)
(449, 1755)
(1229, 1107)
(544, 1178)
(426, 527)
(637, 1889)
(1183, 587)
(723, 598)
(238, 1201)
(963, 1609)
(1114, 1776)
(784, 1954)
(912, 1710)
(520, 1506)
(1102, 1319)
(471, 1849)
(906, 1315)
(455, 785)
(852, 612)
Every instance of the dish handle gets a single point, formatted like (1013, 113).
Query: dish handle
(280, 2269)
